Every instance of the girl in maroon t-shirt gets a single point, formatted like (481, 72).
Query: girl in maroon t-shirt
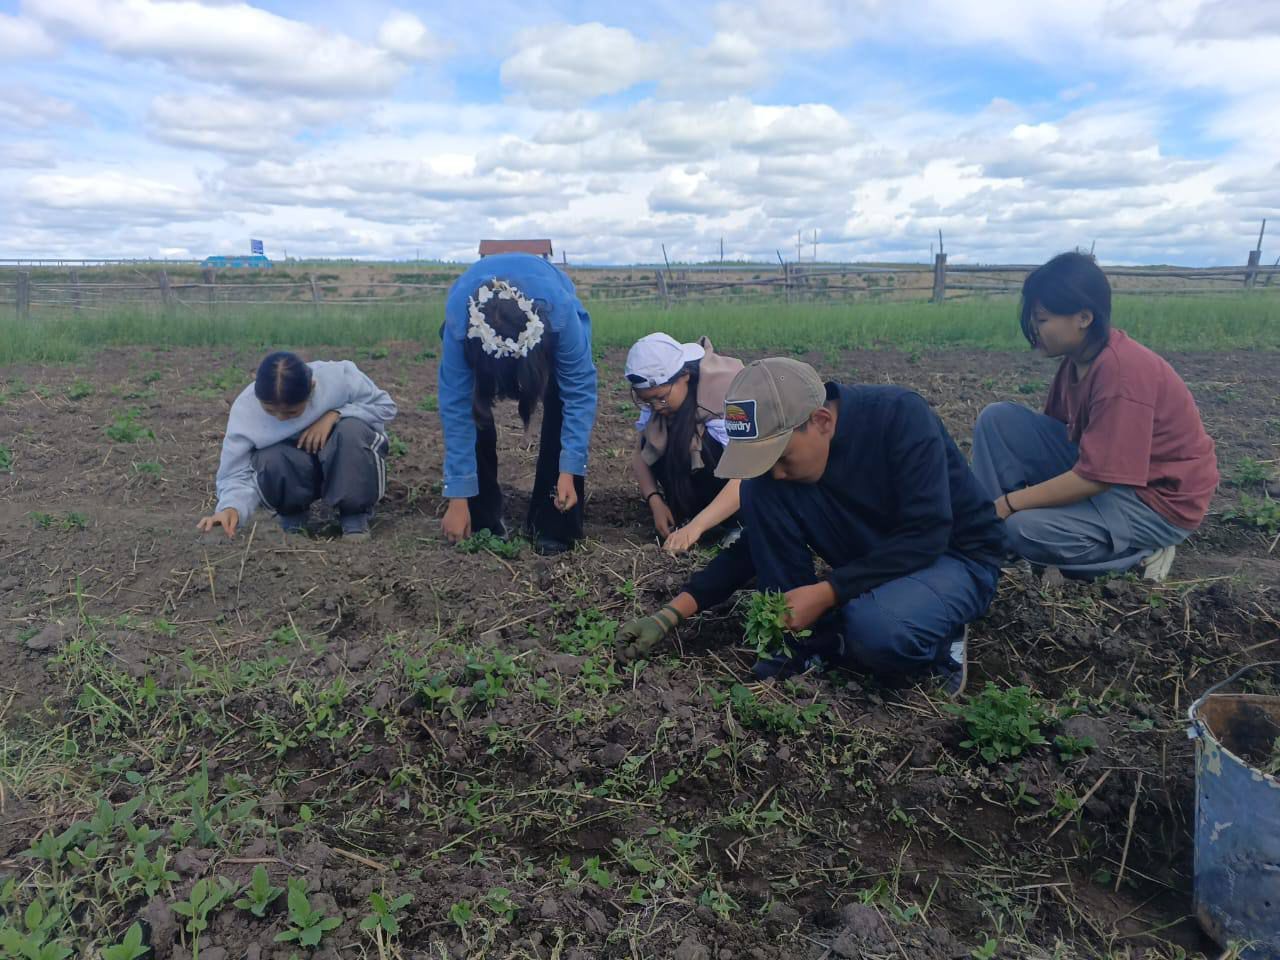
(1118, 469)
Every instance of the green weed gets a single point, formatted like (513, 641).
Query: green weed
(489, 542)
(383, 919)
(206, 895)
(30, 941)
(126, 429)
(783, 717)
(65, 522)
(591, 631)
(429, 403)
(309, 924)
(6, 459)
(396, 447)
(766, 625)
(1261, 513)
(1249, 474)
(79, 390)
(1002, 723)
(1072, 748)
(260, 894)
(130, 948)
(147, 468)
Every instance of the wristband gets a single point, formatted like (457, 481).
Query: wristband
(1008, 505)
(650, 496)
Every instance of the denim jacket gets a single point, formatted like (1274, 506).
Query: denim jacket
(574, 367)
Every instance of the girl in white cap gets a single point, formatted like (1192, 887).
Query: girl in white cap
(681, 388)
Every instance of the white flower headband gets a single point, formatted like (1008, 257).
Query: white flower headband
(479, 328)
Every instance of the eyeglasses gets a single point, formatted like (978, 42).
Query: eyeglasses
(657, 403)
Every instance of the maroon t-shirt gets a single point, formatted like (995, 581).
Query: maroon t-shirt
(1137, 425)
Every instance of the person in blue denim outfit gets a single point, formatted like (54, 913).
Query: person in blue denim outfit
(515, 329)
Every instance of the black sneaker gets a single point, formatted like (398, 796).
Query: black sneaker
(547, 547)
(954, 673)
(293, 522)
(355, 526)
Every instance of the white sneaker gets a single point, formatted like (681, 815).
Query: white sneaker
(1156, 567)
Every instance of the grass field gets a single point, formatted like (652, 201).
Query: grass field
(1170, 323)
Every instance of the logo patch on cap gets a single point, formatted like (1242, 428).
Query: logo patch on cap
(740, 420)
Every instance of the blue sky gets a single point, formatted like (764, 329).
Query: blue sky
(183, 127)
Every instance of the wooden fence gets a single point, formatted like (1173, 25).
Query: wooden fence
(46, 292)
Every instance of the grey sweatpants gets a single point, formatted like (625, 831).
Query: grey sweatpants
(349, 473)
(1014, 447)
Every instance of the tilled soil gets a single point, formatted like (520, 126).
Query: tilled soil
(404, 718)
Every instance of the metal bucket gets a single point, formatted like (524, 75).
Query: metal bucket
(1237, 862)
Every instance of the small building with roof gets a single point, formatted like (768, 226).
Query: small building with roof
(539, 248)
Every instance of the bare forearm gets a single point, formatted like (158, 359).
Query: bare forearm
(724, 506)
(1060, 491)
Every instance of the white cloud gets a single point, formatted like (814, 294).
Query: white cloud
(230, 43)
(567, 65)
(236, 125)
(407, 37)
(28, 109)
(117, 195)
(21, 38)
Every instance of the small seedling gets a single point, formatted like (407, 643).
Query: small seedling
(34, 944)
(1250, 474)
(126, 429)
(396, 447)
(6, 459)
(309, 924)
(66, 522)
(766, 626)
(487, 541)
(383, 918)
(1262, 513)
(1002, 723)
(79, 390)
(461, 913)
(130, 948)
(429, 404)
(499, 901)
(987, 951)
(378, 353)
(147, 468)
(260, 894)
(1072, 748)
(206, 895)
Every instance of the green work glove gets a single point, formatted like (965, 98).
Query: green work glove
(637, 637)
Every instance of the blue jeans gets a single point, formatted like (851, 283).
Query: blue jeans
(900, 628)
(1015, 447)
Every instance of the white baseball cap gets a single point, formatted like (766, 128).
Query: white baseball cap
(657, 358)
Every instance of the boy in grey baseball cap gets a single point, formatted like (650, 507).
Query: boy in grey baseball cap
(867, 478)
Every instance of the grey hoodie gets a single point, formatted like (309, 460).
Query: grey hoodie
(339, 385)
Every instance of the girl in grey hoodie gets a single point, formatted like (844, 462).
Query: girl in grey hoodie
(302, 432)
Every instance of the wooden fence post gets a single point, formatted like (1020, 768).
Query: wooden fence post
(166, 293)
(1251, 270)
(209, 278)
(786, 281)
(75, 290)
(939, 277)
(662, 290)
(315, 295)
(23, 296)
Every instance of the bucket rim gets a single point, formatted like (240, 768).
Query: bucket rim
(1194, 709)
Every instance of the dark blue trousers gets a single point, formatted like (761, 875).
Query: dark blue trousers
(900, 628)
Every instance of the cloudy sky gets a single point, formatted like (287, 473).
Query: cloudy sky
(183, 127)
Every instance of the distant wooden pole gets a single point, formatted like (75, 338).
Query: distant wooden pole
(75, 290)
(939, 277)
(662, 290)
(1251, 269)
(210, 278)
(1260, 233)
(315, 295)
(166, 293)
(23, 296)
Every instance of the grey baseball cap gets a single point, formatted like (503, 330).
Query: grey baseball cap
(765, 403)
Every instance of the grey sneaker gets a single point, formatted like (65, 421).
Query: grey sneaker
(1156, 567)
(954, 675)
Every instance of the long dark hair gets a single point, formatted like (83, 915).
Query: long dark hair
(1067, 284)
(523, 379)
(677, 480)
(283, 380)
